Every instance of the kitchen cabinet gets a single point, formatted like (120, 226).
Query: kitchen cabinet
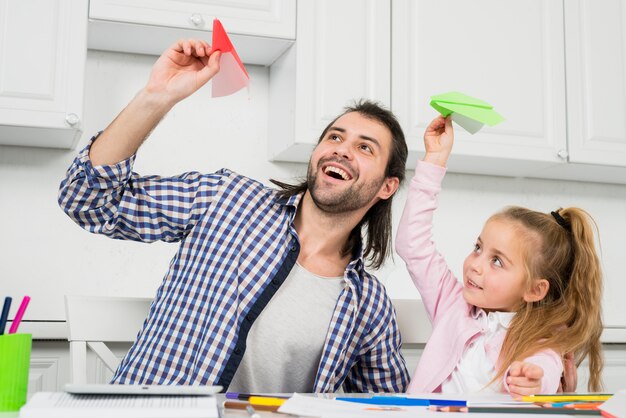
(554, 70)
(341, 54)
(42, 67)
(261, 29)
(596, 81)
(508, 53)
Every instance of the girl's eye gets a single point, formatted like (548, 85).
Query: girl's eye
(497, 261)
(476, 248)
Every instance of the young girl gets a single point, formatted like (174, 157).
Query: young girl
(531, 292)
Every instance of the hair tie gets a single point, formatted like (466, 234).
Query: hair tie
(561, 221)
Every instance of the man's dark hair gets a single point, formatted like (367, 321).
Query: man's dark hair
(378, 218)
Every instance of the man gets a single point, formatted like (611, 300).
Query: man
(268, 290)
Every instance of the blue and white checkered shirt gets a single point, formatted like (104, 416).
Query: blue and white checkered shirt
(237, 246)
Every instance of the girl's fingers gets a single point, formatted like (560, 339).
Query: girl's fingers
(436, 125)
(524, 391)
(532, 372)
(448, 122)
(515, 369)
(523, 381)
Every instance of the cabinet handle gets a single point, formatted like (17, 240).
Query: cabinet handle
(562, 154)
(197, 20)
(72, 119)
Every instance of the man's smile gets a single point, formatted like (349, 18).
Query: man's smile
(337, 171)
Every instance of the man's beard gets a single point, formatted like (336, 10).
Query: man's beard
(348, 200)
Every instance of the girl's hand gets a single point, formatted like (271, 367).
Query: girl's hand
(524, 379)
(181, 70)
(438, 140)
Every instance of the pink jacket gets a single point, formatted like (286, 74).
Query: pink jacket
(454, 326)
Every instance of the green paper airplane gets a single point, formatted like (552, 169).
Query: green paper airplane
(470, 113)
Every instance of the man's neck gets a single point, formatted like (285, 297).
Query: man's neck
(323, 236)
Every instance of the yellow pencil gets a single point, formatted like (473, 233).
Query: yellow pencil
(263, 400)
(565, 397)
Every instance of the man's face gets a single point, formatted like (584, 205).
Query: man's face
(347, 168)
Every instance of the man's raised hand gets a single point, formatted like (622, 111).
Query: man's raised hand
(182, 69)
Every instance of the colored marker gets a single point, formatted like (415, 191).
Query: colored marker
(575, 405)
(266, 401)
(568, 397)
(5, 313)
(447, 408)
(404, 401)
(244, 405)
(246, 396)
(529, 410)
(19, 315)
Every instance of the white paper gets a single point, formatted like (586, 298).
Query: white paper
(470, 125)
(65, 405)
(230, 78)
(310, 406)
(616, 405)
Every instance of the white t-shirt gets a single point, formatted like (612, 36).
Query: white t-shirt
(284, 345)
(475, 370)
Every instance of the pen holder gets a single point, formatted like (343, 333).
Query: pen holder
(14, 366)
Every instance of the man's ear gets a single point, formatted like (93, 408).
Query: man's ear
(389, 187)
(538, 290)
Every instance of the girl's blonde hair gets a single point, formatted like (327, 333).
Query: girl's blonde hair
(559, 247)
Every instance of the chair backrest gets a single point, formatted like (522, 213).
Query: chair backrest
(93, 321)
(413, 322)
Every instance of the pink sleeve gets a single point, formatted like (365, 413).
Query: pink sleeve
(414, 242)
(552, 366)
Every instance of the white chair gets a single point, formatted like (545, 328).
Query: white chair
(414, 327)
(95, 320)
(413, 322)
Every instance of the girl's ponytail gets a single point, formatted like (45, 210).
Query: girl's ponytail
(583, 293)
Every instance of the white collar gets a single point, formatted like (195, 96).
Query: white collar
(494, 318)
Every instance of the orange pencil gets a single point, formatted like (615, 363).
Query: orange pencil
(448, 408)
(244, 406)
(584, 405)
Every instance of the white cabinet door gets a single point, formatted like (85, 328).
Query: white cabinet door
(49, 367)
(341, 54)
(273, 18)
(261, 30)
(596, 81)
(42, 60)
(510, 54)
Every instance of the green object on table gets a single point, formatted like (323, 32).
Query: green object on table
(469, 112)
(14, 366)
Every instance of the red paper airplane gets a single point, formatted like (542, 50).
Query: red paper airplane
(232, 76)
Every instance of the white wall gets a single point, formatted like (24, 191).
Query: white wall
(47, 255)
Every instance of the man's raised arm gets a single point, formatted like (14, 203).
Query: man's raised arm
(180, 71)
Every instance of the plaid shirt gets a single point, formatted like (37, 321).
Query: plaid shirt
(237, 246)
